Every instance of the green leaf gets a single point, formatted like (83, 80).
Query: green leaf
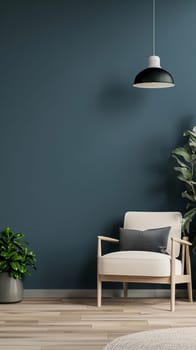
(15, 265)
(8, 231)
(5, 254)
(181, 178)
(18, 235)
(186, 226)
(188, 196)
(192, 144)
(23, 269)
(13, 255)
(186, 173)
(3, 266)
(180, 162)
(187, 220)
(181, 151)
(190, 213)
(188, 216)
(193, 158)
(190, 133)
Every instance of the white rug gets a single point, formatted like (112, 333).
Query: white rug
(159, 339)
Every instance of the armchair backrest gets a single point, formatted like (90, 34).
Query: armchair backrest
(142, 220)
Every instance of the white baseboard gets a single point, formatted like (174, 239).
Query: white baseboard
(91, 293)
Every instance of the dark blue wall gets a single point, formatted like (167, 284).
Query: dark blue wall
(78, 144)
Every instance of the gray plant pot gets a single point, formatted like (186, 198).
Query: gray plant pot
(11, 289)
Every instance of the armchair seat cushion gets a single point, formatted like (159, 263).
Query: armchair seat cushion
(137, 263)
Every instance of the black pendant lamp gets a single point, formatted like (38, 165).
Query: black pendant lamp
(154, 77)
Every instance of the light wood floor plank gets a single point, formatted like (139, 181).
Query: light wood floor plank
(73, 324)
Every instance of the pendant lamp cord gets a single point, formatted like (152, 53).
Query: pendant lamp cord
(153, 27)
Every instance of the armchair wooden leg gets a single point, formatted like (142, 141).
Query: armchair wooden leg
(172, 280)
(125, 289)
(172, 300)
(190, 293)
(188, 267)
(99, 291)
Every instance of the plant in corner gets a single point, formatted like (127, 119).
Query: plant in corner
(185, 156)
(15, 258)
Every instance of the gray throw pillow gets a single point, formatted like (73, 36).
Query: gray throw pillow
(154, 240)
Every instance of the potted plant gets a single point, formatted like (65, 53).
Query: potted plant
(15, 258)
(185, 157)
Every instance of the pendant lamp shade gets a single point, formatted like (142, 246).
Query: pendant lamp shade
(153, 76)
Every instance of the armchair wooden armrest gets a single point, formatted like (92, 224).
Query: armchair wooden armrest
(106, 239)
(185, 276)
(181, 241)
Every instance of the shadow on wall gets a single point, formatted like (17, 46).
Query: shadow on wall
(174, 186)
(117, 97)
(167, 187)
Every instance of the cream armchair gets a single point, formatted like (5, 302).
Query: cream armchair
(162, 266)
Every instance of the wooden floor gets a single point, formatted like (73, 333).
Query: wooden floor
(62, 324)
